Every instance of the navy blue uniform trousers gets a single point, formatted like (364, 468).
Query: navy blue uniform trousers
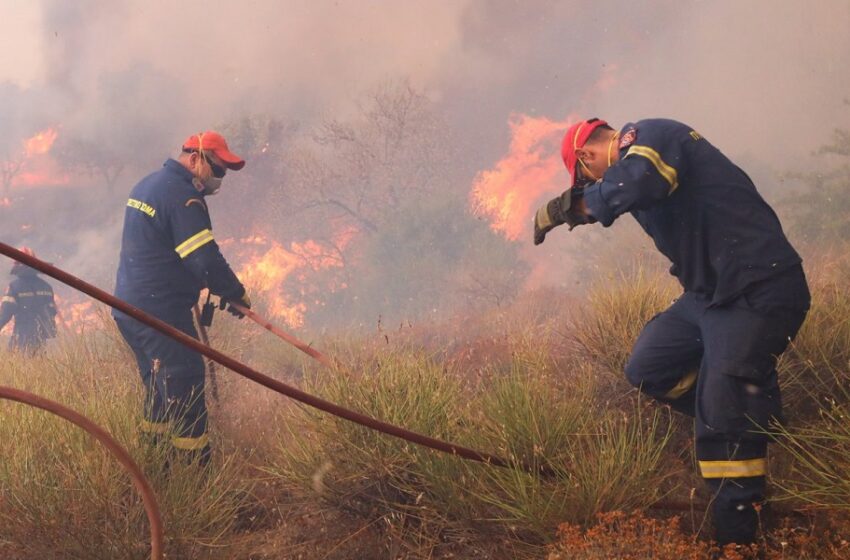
(718, 364)
(173, 377)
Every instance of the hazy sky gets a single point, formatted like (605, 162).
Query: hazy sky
(765, 76)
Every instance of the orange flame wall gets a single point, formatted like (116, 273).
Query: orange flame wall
(509, 193)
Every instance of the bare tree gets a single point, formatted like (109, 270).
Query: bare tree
(9, 169)
(356, 173)
(94, 159)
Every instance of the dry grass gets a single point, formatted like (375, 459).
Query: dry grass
(290, 482)
(63, 496)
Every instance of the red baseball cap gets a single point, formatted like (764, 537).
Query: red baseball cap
(211, 141)
(574, 139)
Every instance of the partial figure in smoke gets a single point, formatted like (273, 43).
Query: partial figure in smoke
(29, 300)
(168, 255)
(712, 354)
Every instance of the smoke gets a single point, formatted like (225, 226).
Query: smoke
(764, 80)
(766, 76)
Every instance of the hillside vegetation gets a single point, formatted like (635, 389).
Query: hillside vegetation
(534, 383)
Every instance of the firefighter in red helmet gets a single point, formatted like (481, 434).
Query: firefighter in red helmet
(30, 302)
(712, 354)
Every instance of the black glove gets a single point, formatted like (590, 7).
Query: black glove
(560, 210)
(244, 301)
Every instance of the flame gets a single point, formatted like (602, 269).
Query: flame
(508, 193)
(281, 275)
(34, 166)
(40, 143)
(77, 316)
(45, 177)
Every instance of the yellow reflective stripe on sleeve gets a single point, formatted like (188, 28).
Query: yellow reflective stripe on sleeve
(25, 294)
(733, 469)
(682, 386)
(190, 443)
(154, 427)
(143, 207)
(8, 299)
(669, 173)
(198, 240)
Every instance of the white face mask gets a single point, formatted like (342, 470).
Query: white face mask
(208, 186)
(211, 185)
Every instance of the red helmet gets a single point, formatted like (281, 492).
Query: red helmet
(574, 139)
(19, 267)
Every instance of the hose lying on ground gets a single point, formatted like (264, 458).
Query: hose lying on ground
(252, 374)
(142, 485)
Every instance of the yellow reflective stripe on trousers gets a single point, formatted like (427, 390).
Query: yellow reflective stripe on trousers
(154, 427)
(733, 469)
(669, 173)
(196, 241)
(190, 443)
(682, 386)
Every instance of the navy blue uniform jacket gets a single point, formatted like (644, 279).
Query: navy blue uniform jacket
(28, 299)
(701, 210)
(168, 253)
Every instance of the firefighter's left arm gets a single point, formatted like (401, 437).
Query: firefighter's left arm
(647, 174)
(196, 246)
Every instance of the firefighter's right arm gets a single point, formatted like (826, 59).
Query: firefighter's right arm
(646, 174)
(7, 308)
(196, 246)
(566, 209)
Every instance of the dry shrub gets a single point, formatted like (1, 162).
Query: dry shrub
(815, 371)
(63, 496)
(533, 413)
(605, 328)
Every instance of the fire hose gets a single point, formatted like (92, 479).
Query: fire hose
(202, 334)
(285, 389)
(256, 376)
(148, 498)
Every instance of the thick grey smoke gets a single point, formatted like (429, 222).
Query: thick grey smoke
(765, 80)
(763, 76)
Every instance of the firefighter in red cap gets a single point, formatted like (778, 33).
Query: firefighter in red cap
(29, 300)
(712, 354)
(168, 255)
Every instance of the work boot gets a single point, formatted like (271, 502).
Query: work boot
(735, 521)
(734, 509)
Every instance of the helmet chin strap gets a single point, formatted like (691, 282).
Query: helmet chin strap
(610, 144)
